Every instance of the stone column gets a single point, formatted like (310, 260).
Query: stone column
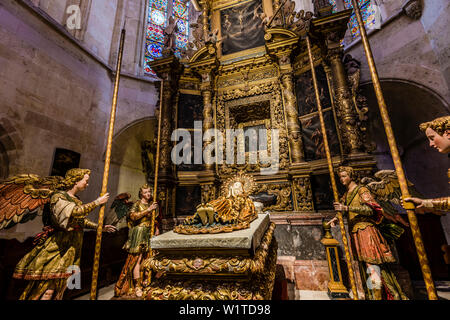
(350, 132)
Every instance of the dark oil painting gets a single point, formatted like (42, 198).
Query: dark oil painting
(190, 109)
(306, 98)
(313, 138)
(322, 191)
(63, 161)
(242, 27)
(188, 198)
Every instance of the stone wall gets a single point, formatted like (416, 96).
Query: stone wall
(56, 91)
(410, 49)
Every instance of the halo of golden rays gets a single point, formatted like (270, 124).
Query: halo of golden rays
(248, 183)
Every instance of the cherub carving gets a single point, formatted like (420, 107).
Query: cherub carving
(197, 32)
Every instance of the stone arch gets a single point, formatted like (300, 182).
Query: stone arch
(126, 171)
(417, 74)
(409, 104)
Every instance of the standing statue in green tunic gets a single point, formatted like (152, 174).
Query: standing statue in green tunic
(57, 249)
(138, 244)
(371, 226)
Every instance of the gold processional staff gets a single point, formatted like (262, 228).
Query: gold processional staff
(409, 206)
(155, 186)
(332, 177)
(98, 241)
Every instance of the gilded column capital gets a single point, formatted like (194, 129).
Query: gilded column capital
(334, 54)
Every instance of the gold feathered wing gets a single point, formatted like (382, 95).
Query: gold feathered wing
(23, 196)
(387, 193)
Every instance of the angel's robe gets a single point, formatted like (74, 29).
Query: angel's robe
(230, 213)
(371, 247)
(51, 261)
(364, 214)
(138, 243)
(238, 209)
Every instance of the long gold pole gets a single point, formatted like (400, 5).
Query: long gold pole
(423, 260)
(98, 241)
(332, 178)
(155, 185)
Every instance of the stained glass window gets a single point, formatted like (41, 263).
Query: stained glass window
(368, 15)
(181, 13)
(154, 37)
(157, 19)
(333, 3)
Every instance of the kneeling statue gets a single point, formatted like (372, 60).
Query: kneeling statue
(234, 210)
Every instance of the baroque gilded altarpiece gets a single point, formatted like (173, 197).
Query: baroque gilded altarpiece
(265, 86)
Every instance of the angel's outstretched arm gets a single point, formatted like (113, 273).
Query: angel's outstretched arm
(83, 210)
(437, 206)
(90, 225)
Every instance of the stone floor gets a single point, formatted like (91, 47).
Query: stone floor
(442, 287)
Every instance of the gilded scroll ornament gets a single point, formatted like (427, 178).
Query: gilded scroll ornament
(283, 193)
(303, 194)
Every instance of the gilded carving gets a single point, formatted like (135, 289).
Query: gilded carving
(303, 194)
(283, 193)
(254, 286)
(212, 264)
(266, 92)
(288, 18)
(208, 192)
(345, 106)
(293, 125)
(353, 70)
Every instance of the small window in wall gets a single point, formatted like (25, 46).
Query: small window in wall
(63, 161)
(368, 13)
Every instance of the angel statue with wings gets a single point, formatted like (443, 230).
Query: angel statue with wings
(370, 231)
(139, 218)
(438, 134)
(234, 210)
(58, 248)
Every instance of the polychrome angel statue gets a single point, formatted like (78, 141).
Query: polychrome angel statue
(58, 248)
(366, 207)
(139, 218)
(234, 210)
(438, 134)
